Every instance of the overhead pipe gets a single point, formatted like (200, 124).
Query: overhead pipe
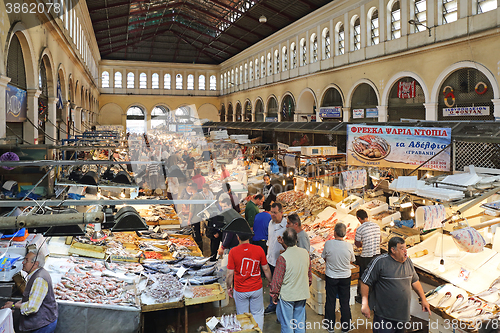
(37, 221)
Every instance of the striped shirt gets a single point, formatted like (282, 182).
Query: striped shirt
(368, 234)
(37, 294)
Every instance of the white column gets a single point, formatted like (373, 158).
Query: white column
(496, 109)
(431, 111)
(30, 133)
(78, 119)
(346, 113)
(382, 113)
(4, 80)
(50, 126)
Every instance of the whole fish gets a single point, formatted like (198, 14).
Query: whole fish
(469, 302)
(487, 292)
(495, 282)
(203, 271)
(470, 315)
(199, 280)
(458, 302)
(476, 304)
(443, 299)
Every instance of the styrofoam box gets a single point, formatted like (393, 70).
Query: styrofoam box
(317, 296)
(329, 150)
(6, 276)
(346, 209)
(311, 150)
(383, 207)
(387, 220)
(319, 308)
(318, 283)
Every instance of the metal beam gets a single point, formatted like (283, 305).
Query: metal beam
(265, 5)
(114, 202)
(37, 221)
(243, 14)
(200, 50)
(93, 10)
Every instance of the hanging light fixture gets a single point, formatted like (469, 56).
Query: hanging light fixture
(262, 19)
(284, 182)
(441, 265)
(412, 213)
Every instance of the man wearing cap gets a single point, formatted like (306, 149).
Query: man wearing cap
(244, 282)
(38, 305)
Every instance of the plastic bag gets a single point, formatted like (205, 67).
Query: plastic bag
(469, 240)
(187, 290)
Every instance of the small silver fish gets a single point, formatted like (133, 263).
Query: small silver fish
(470, 302)
(477, 303)
(472, 315)
(443, 299)
(458, 302)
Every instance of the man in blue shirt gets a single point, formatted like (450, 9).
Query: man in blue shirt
(260, 229)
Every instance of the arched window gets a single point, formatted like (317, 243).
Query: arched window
(190, 82)
(105, 79)
(246, 73)
(222, 113)
(257, 70)
(118, 80)
(396, 20)
(155, 81)
(284, 53)
(251, 71)
(272, 108)
(303, 52)
(356, 33)
(287, 108)
(231, 82)
(484, 6)
(130, 80)
(213, 82)
(450, 11)
(259, 111)
(241, 75)
(178, 82)
(167, 84)
(293, 49)
(247, 112)
(143, 81)
(314, 48)
(201, 82)
(340, 39)
(136, 120)
(326, 44)
(374, 28)
(160, 117)
(276, 61)
(237, 82)
(225, 80)
(270, 64)
(419, 15)
(221, 82)
(263, 66)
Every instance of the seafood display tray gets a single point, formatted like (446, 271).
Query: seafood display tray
(162, 306)
(244, 319)
(218, 295)
(346, 209)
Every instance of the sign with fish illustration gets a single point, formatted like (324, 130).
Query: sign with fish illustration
(398, 146)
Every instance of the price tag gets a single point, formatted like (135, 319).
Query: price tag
(212, 323)
(464, 274)
(181, 271)
(321, 261)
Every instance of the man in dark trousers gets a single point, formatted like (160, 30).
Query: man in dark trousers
(38, 305)
(391, 277)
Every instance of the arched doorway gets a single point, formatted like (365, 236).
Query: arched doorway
(248, 111)
(136, 120)
(466, 88)
(364, 104)
(160, 117)
(223, 113)
(238, 112)
(272, 109)
(287, 108)
(183, 115)
(406, 100)
(43, 101)
(16, 91)
(331, 106)
(229, 115)
(259, 110)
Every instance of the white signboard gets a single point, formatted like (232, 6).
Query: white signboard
(358, 113)
(467, 111)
